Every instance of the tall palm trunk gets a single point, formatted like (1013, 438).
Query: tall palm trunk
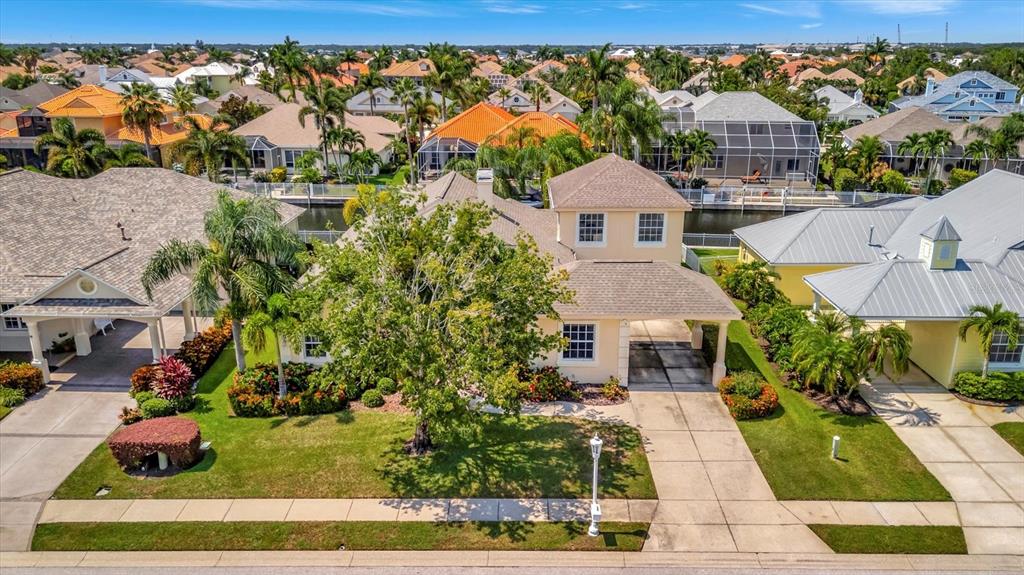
(444, 104)
(149, 148)
(236, 336)
(282, 385)
(408, 144)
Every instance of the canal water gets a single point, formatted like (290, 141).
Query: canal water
(697, 222)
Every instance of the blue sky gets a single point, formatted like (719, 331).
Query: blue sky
(508, 22)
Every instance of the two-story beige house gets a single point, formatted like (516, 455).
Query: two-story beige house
(616, 228)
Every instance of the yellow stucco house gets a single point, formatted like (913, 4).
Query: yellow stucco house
(924, 272)
(616, 229)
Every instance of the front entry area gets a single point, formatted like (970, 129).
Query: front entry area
(661, 357)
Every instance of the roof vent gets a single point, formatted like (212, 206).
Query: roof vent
(871, 235)
(124, 235)
(485, 186)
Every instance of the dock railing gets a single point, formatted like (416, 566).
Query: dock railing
(738, 197)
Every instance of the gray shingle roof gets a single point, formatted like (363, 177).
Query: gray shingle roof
(611, 182)
(741, 106)
(908, 289)
(824, 235)
(66, 224)
(895, 127)
(643, 290)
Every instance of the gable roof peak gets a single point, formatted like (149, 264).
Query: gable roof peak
(942, 230)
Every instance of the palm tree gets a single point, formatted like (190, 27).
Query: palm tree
(211, 148)
(538, 92)
(876, 51)
(290, 61)
(405, 92)
(68, 80)
(446, 76)
(890, 342)
(676, 143)
(976, 150)
(361, 164)
(701, 148)
(989, 321)
(142, 109)
(277, 318)
(28, 57)
(129, 155)
(326, 104)
(422, 111)
(911, 146)
(183, 99)
(371, 82)
(865, 152)
(827, 361)
(348, 56)
(78, 154)
(933, 146)
(246, 245)
(600, 70)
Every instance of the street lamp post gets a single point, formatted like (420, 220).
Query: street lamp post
(595, 507)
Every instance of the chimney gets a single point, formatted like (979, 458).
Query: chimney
(485, 186)
(103, 73)
(871, 235)
(929, 87)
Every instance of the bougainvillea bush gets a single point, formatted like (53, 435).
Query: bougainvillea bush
(748, 395)
(254, 393)
(547, 384)
(177, 437)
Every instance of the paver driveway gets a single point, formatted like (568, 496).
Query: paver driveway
(42, 441)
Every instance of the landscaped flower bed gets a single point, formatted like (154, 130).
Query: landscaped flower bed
(998, 387)
(176, 437)
(748, 395)
(23, 376)
(254, 393)
(546, 384)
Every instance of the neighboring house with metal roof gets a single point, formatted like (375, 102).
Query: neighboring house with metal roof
(965, 97)
(615, 229)
(922, 267)
(754, 136)
(76, 252)
(845, 108)
(277, 138)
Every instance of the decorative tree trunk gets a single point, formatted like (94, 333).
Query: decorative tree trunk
(236, 335)
(282, 385)
(421, 442)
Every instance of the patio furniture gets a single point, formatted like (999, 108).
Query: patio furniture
(754, 178)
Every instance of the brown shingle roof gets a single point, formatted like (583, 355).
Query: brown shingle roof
(612, 182)
(280, 126)
(896, 126)
(643, 290)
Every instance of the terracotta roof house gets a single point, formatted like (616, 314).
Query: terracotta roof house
(354, 69)
(460, 137)
(846, 74)
(417, 70)
(277, 138)
(910, 82)
(615, 229)
(965, 97)
(540, 124)
(519, 101)
(734, 61)
(542, 68)
(76, 253)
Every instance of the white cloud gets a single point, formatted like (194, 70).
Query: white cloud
(407, 8)
(811, 26)
(632, 6)
(798, 9)
(904, 6)
(501, 7)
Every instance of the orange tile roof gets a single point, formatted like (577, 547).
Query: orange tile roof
(793, 67)
(357, 67)
(166, 133)
(88, 101)
(409, 68)
(735, 60)
(474, 124)
(9, 124)
(544, 126)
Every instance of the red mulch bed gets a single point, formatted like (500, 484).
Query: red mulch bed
(853, 405)
(392, 404)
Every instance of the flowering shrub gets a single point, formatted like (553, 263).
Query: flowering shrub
(612, 388)
(177, 437)
(23, 376)
(547, 384)
(254, 393)
(175, 379)
(200, 352)
(736, 393)
(142, 379)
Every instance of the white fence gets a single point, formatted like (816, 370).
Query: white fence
(738, 197)
(326, 236)
(289, 190)
(711, 240)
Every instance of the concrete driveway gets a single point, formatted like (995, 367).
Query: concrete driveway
(661, 357)
(44, 440)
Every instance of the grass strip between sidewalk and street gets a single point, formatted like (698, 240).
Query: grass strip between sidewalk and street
(1013, 433)
(792, 446)
(901, 539)
(353, 535)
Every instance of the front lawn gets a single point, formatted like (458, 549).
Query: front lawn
(1013, 433)
(792, 446)
(353, 455)
(354, 535)
(904, 539)
(5, 411)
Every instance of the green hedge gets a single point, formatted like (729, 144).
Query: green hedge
(998, 386)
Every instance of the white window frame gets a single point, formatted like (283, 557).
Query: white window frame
(637, 242)
(562, 360)
(310, 342)
(295, 155)
(998, 340)
(604, 229)
(17, 322)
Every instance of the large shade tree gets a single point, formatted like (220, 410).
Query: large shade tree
(245, 259)
(437, 303)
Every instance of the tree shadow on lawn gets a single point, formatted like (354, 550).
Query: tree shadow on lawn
(527, 457)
